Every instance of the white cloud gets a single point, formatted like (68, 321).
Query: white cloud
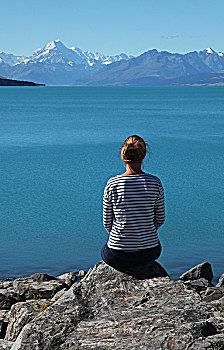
(172, 36)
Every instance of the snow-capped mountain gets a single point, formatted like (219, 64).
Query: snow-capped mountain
(11, 59)
(57, 52)
(56, 64)
(95, 58)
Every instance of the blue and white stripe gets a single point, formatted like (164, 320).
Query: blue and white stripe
(133, 210)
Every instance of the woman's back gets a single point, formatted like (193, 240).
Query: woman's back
(133, 211)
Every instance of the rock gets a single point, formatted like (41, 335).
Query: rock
(7, 283)
(199, 285)
(41, 277)
(215, 342)
(8, 297)
(7, 300)
(213, 293)
(221, 281)
(5, 345)
(82, 274)
(4, 315)
(203, 329)
(112, 310)
(39, 285)
(219, 304)
(4, 318)
(203, 270)
(21, 314)
(58, 294)
(69, 278)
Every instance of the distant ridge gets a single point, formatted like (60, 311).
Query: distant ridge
(11, 82)
(163, 68)
(56, 64)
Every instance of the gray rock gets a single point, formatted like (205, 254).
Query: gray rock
(111, 310)
(219, 304)
(5, 345)
(7, 300)
(37, 286)
(213, 293)
(221, 281)
(199, 285)
(215, 342)
(203, 270)
(58, 294)
(8, 283)
(21, 314)
(4, 315)
(69, 278)
(41, 277)
(4, 319)
(8, 297)
(82, 274)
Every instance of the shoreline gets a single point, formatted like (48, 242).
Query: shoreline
(173, 270)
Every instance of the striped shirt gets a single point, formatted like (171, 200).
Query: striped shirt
(133, 210)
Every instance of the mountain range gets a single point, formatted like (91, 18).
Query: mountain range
(56, 64)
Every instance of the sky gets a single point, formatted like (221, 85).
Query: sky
(112, 27)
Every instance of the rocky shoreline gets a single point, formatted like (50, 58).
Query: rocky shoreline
(107, 309)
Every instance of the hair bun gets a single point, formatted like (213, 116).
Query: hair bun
(130, 145)
(133, 149)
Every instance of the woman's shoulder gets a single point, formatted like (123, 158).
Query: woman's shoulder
(113, 179)
(124, 178)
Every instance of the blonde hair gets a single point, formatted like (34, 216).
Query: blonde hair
(134, 149)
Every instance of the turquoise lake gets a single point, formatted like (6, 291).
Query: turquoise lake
(60, 145)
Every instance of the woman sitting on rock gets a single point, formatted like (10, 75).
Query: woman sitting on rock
(133, 210)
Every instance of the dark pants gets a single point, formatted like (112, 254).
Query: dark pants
(127, 261)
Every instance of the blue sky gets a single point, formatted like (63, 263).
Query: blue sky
(111, 27)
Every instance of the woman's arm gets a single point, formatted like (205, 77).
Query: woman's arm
(107, 211)
(159, 210)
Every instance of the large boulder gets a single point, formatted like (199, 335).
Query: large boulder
(112, 310)
(203, 270)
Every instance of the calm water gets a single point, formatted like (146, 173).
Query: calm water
(59, 146)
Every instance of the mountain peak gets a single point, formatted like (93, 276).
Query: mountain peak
(54, 44)
(209, 50)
